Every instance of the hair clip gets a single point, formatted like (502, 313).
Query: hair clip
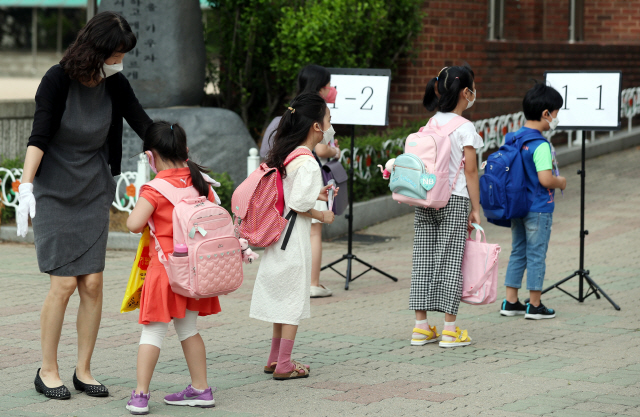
(171, 127)
(187, 160)
(292, 110)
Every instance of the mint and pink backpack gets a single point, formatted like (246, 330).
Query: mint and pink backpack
(479, 269)
(420, 176)
(258, 205)
(213, 266)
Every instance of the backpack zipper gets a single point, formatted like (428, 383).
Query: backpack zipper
(416, 157)
(197, 229)
(435, 159)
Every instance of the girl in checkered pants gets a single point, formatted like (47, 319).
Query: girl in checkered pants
(438, 246)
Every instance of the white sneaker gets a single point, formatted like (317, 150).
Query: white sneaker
(321, 291)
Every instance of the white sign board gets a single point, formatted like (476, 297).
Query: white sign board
(592, 99)
(363, 96)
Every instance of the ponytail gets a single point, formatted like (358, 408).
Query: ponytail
(200, 184)
(443, 92)
(430, 100)
(170, 143)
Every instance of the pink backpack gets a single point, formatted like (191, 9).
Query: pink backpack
(258, 205)
(479, 270)
(213, 266)
(420, 176)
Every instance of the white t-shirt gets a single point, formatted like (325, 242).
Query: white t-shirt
(465, 135)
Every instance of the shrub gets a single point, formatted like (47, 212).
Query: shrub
(225, 190)
(262, 44)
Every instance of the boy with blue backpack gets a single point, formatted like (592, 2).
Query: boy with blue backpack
(531, 170)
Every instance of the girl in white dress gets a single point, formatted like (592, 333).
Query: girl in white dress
(281, 291)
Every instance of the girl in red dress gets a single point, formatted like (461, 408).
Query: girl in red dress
(158, 303)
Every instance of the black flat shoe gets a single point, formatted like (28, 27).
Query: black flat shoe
(90, 390)
(57, 393)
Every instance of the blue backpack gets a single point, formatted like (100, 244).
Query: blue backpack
(503, 187)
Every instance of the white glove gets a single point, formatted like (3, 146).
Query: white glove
(26, 208)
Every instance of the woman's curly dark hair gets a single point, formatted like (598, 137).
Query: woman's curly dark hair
(105, 34)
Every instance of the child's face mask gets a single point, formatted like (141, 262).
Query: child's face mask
(327, 135)
(553, 123)
(152, 162)
(470, 102)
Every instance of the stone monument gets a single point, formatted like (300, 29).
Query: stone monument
(166, 70)
(167, 66)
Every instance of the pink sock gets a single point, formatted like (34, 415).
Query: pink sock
(450, 327)
(275, 348)
(284, 357)
(422, 324)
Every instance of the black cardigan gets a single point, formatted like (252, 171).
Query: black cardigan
(51, 100)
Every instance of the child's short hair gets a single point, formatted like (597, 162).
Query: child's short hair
(539, 98)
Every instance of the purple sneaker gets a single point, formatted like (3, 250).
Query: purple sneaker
(191, 398)
(138, 404)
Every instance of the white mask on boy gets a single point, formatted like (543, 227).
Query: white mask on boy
(553, 123)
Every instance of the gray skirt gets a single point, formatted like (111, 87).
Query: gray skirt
(71, 240)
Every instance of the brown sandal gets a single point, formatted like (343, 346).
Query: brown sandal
(298, 367)
(270, 369)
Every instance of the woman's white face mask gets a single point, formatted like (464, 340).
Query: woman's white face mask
(110, 70)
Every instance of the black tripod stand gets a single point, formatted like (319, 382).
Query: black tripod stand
(349, 257)
(581, 272)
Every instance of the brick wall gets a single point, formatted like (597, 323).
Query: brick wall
(612, 21)
(456, 32)
(522, 19)
(556, 20)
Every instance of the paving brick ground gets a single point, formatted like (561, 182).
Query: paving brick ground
(583, 363)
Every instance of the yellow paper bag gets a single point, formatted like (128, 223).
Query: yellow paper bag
(131, 299)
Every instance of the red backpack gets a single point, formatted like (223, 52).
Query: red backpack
(258, 205)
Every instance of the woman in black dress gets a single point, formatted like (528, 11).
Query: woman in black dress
(73, 153)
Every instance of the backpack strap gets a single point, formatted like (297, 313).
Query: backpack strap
(174, 195)
(447, 128)
(296, 153)
(457, 173)
(292, 215)
(171, 193)
(453, 124)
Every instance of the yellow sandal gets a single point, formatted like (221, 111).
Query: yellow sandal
(432, 336)
(461, 338)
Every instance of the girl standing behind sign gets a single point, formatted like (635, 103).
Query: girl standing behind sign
(312, 79)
